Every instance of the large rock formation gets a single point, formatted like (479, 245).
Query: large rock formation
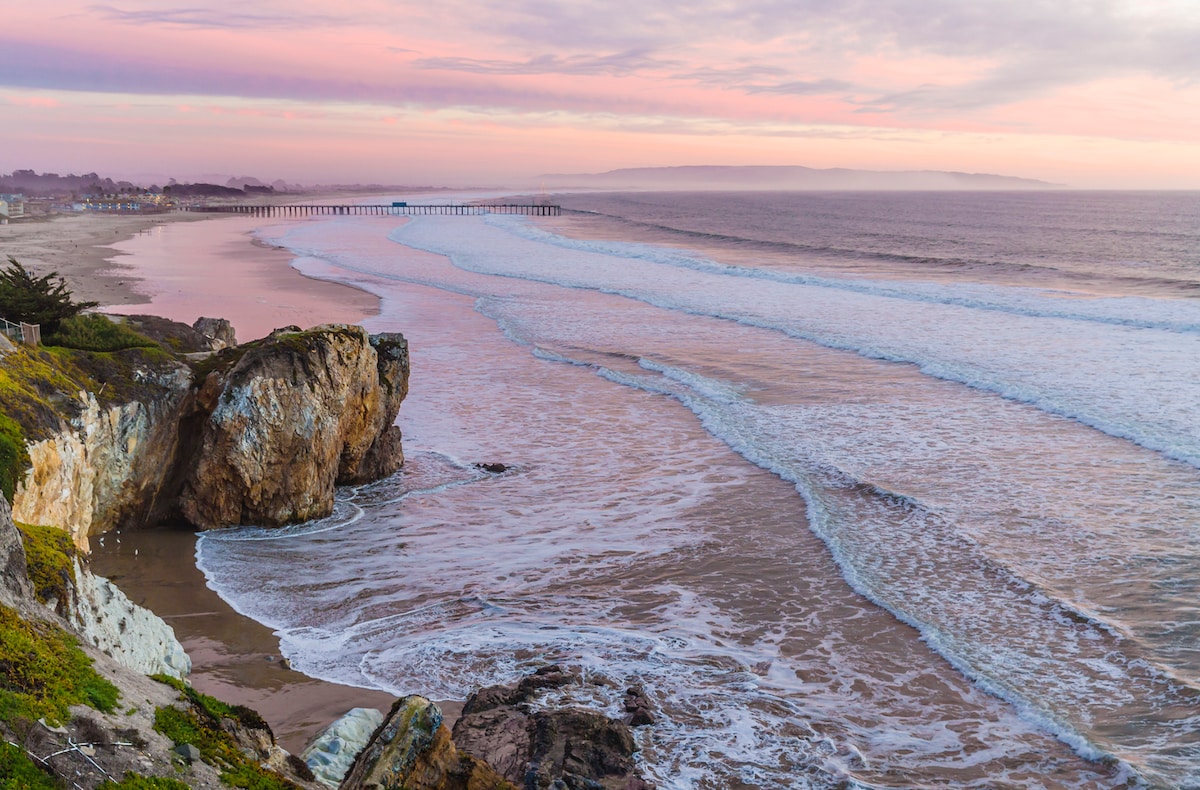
(503, 739)
(293, 416)
(412, 749)
(257, 434)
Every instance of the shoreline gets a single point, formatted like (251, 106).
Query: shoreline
(220, 269)
(91, 253)
(235, 658)
(79, 247)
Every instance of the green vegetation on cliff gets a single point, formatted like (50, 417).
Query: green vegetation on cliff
(18, 772)
(96, 333)
(49, 554)
(213, 707)
(43, 672)
(40, 387)
(199, 724)
(14, 458)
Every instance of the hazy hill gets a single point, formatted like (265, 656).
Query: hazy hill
(34, 185)
(716, 177)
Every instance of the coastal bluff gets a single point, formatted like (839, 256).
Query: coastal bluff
(258, 433)
(185, 430)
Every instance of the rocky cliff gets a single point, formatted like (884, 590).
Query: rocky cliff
(16, 591)
(110, 467)
(73, 713)
(259, 433)
(290, 418)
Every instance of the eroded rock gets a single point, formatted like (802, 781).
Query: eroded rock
(16, 591)
(547, 748)
(217, 332)
(112, 467)
(132, 635)
(413, 749)
(291, 417)
(173, 335)
(331, 753)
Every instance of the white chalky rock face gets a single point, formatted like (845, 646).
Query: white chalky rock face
(106, 467)
(134, 636)
(334, 750)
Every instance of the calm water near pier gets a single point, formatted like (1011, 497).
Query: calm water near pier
(869, 490)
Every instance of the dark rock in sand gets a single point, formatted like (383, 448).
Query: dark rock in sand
(638, 707)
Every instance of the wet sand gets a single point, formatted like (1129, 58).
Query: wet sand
(80, 248)
(234, 658)
(218, 269)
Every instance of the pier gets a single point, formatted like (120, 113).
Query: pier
(385, 209)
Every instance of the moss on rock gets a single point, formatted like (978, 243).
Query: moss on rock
(49, 553)
(43, 672)
(198, 722)
(39, 389)
(14, 458)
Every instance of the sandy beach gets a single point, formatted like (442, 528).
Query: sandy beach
(79, 247)
(182, 266)
(234, 658)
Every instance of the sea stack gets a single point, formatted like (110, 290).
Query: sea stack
(282, 421)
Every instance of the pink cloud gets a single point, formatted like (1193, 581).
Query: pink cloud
(33, 101)
(613, 80)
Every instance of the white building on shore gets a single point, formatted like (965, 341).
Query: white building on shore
(11, 207)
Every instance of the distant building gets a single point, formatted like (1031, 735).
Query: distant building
(12, 207)
(124, 204)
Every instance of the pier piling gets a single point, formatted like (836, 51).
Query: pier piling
(361, 209)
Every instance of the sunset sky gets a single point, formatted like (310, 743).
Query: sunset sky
(1091, 93)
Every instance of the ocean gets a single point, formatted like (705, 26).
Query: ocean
(866, 489)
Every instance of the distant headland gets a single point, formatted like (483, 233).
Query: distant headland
(786, 178)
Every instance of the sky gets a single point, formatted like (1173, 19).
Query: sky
(1089, 93)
